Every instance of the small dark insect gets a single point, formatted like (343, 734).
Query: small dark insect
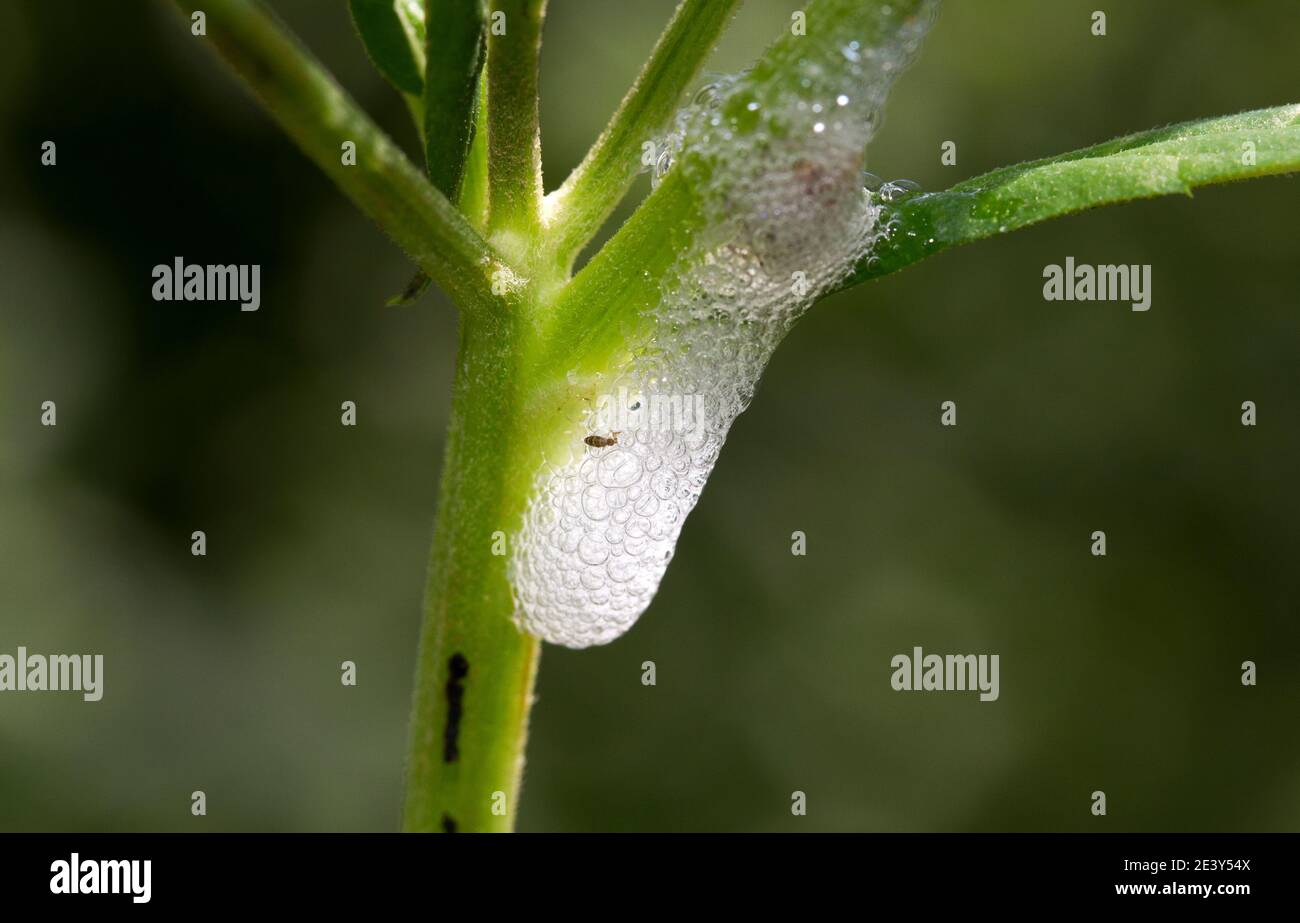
(599, 442)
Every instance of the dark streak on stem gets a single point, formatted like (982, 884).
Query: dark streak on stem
(448, 823)
(458, 669)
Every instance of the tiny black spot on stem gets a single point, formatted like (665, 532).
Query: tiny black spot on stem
(458, 669)
(448, 824)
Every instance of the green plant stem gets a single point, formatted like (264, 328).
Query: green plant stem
(580, 206)
(593, 316)
(316, 112)
(488, 462)
(514, 141)
(457, 765)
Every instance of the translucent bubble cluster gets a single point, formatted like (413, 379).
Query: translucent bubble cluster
(778, 170)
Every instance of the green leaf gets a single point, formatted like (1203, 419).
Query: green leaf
(455, 53)
(393, 33)
(1176, 159)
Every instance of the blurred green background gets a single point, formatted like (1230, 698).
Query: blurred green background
(222, 673)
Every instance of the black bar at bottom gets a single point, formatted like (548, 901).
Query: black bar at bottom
(337, 872)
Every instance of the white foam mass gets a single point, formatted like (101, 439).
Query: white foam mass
(778, 174)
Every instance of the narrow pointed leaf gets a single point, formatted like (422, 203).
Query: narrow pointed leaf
(393, 34)
(454, 52)
(1176, 159)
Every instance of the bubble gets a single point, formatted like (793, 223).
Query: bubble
(707, 96)
(663, 163)
(898, 190)
(782, 190)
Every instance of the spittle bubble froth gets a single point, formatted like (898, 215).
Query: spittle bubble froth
(777, 169)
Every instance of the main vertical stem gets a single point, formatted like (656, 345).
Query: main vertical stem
(474, 678)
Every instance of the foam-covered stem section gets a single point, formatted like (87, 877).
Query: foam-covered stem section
(774, 157)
